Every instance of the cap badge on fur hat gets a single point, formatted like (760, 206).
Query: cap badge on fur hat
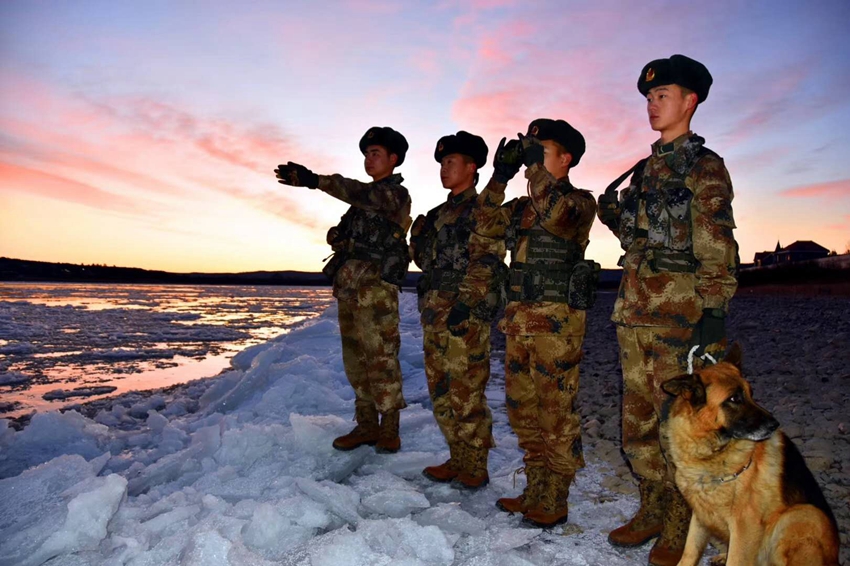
(440, 146)
(370, 134)
(650, 74)
(535, 130)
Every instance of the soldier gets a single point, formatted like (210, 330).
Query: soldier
(675, 223)
(458, 298)
(551, 286)
(369, 263)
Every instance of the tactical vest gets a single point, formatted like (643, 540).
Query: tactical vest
(445, 250)
(669, 238)
(550, 265)
(443, 255)
(369, 236)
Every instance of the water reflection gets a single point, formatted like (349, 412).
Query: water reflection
(66, 336)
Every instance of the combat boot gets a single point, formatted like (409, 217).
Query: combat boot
(647, 522)
(366, 431)
(389, 441)
(668, 549)
(473, 473)
(448, 470)
(553, 508)
(535, 480)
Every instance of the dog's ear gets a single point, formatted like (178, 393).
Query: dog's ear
(688, 387)
(734, 355)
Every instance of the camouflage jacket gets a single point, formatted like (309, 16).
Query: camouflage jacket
(386, 197)
(675, 223)
(473, 261)
(560, 209)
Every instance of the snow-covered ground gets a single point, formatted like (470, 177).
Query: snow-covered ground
(240, 470)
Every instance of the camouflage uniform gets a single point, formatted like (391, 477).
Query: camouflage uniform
(368, 303)
(675, 223)
(544, 337)
(458, 266)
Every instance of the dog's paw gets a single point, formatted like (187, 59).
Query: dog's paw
(719, 560)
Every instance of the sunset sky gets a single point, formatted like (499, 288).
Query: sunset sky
(145, 134)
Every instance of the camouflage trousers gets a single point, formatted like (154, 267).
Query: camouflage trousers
(650, 356)
(541, 384)
(370, 344)
(458, 369)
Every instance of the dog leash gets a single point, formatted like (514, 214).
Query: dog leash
(704, 357)
(516, 473)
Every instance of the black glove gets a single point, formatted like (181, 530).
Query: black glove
(458, 320)
(710, 330)
(608, 207)
(532, 150)
(507, 160)
(296, 175)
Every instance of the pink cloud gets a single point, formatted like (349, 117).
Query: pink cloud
(72, 149)
(31, 181)
(835, 189)
(252, 146)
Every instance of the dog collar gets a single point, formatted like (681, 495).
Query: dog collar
(734, 476)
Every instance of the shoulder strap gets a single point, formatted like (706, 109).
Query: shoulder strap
(619, 180)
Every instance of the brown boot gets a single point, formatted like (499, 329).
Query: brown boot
(366, 431)
(473, 473)
(646, 523)
(388, 440)
(552, 509)
(669, 547)
(448, 470)
(535, 480)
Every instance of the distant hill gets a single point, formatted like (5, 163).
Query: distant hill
(25, 270)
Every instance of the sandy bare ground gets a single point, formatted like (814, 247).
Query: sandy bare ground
(797, 358)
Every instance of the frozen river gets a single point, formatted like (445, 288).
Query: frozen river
(62, 343)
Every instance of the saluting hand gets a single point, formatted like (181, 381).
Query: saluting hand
(296, 175)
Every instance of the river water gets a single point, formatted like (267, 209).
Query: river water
(63, 343)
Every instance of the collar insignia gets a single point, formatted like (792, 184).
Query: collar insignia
(665, 149)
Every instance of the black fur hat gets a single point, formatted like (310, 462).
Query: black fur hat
(561, 132)
(465, 144)
(677, 70)
(385, 137)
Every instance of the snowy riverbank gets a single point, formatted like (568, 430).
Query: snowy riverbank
(239, 469)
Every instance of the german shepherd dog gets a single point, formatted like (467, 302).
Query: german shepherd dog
(744, 479)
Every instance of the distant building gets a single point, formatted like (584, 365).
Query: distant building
(801, 250)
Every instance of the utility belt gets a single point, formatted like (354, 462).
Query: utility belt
(571, 283)
(663, 260)
(392, 263)
(444, 280)
(449, 280)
